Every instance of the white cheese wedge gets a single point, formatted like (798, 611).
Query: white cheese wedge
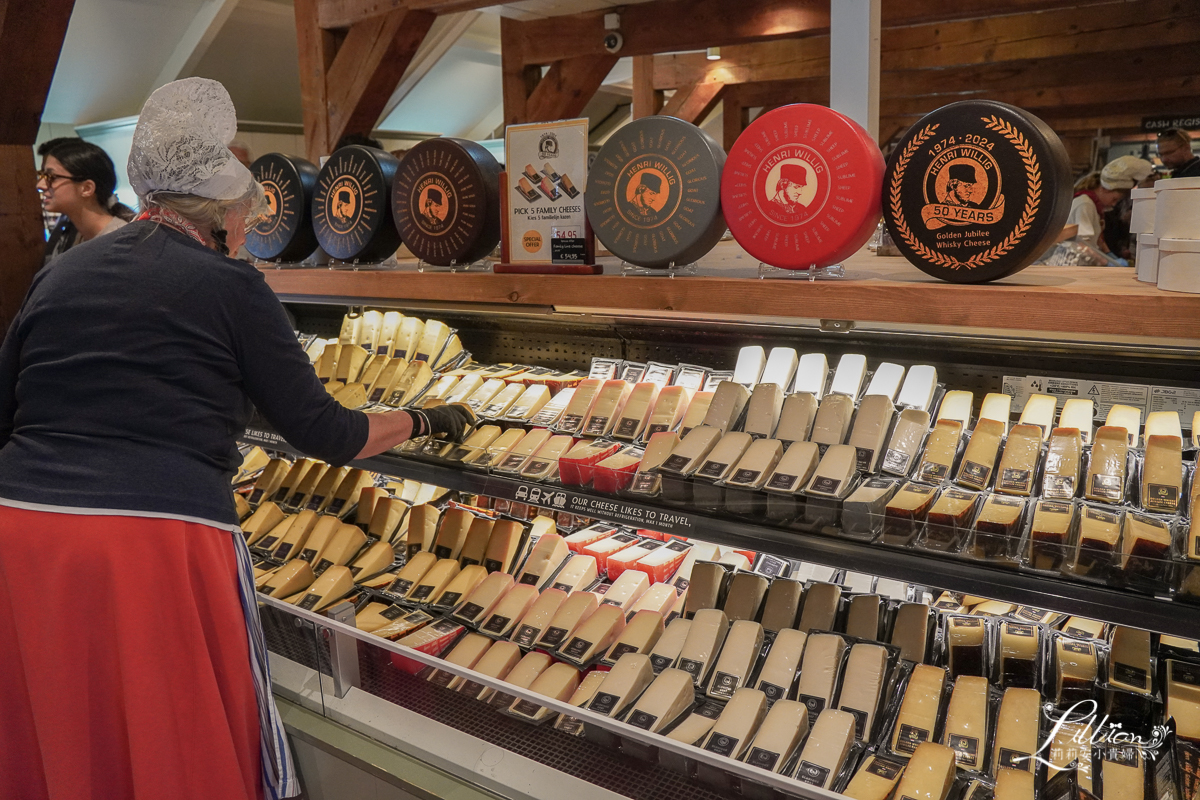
(660, 597)
(929, 773)
(704, 640)
(388, 330)
(796, 418)
(408, 338)
(409, 384)
(503, 545)
(626, 681)
(745, 595)
(728, 402)
(919, 709)
(1017, 730)
(781, 367)
(750, 363)
(821, 603)
(739, 721)
(640, 635)
(826, 748)
(570, 615)
(833, 476)
(956, 405)
(670, 695)
(558, 681)
(819, 671)
(779, 670)
(812, 372)
(606, 408)
(578, 573)
(1126, 417)
(738, 656)
(919, 387)
(1039, 410)
(502, 402)
(694, 728)
(521, 676)
(766, 404)
(594, 635)
(795, 469)
(871, 426)
(538, 617)
(756, 464)
(433, 339)
(966, 728)
(691, 452)
(1078, 413)
(885, 381)
(996, 406)
(626, 589)
(848, 377)
(665, 652)
(505, 615)
(785, 724)
(832, 422)
(725, 454)
(864, 615)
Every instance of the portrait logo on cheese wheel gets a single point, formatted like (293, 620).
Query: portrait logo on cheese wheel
(648, 191)
(791, 185)
(272, 195)
(286, 231)
(435, 202)
(531, 241)
(962, 187)
(344, 204)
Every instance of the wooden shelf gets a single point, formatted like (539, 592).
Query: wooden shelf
(1088, 301)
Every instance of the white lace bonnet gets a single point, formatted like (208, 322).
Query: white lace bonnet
(180, 143)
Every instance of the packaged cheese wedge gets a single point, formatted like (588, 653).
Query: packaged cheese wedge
(871, 426)
(294, 576)
(782, 664)
(697, 410)
(504, 545)
(579, 572)
(862, 686)
(919, 710)
(474, 548)
(582, 695)
(1017, 725)
(666, 651)
(1162, 473)
(626, 681)
(377, 558)
(496, 662)
(738, 656)
(704, 640)
(820, 610)
(577, 411)
(531, 401)
(466, 653)
(785, 724)
(825, 750)
(460, 587)
(739, 721)
(412, 573)
(547, 555)
(929, 774)
(875, 779)
(333, 585)
(342, 546)
(626, 590)
(570, 615)
(508, 612)
(521, 676)
(594, 635)
(1126, 417)
(484, 598)
(832, 422)
(967, 722)
(639, 636)
(1019, 462)
(558, 681)
(435, 581)
(538, 617)
(820, 670)
(670, 695)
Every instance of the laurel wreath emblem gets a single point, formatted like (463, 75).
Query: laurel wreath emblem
(1033, 200)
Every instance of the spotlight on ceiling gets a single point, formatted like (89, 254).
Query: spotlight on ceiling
(713, 54)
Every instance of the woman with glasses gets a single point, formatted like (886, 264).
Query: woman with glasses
(132, 662)
(76, 181)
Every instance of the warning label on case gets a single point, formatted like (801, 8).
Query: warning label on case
(1105, 395)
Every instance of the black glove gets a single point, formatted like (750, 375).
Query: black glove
(450, 421)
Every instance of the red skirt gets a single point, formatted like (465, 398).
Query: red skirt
(124, 661)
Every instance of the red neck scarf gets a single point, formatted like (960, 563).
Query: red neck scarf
(165, 216)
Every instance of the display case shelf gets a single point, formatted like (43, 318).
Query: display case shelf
(1008, 585)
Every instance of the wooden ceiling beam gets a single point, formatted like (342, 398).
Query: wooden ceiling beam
(647, 100)
(333, 14)
(694, 103)
(567, 88)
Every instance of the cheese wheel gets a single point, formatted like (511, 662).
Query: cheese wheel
(351, 216)
(826, 748)
(287, 234)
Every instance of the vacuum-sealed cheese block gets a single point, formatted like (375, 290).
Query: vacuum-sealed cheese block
(538, 617)
(294, 576)
(351, 360)
(582, 695)
(1183, 698)
(531, 401)
(626, 681)
(496, 662)
(543, 463)
(422, 528)
(785, 724)
(812, 372)
(782, 604)
(692, 451)
(967, 721)
(875, 779)
(1106, 468)
(343, 546)
(1018, 464)
(641, 633)
(821, 603)
(795, 469)
(832, 477)
(697, 410)
(594, 635)
(375, 560)
(666, 650)
(1052, 520)
(1071, 743)
(660, 597)
(780, 368)
(704, 589)
(570, 615)
(996, 407)
(435, 580)
(796, 418)
(433, 339)
(609, 400)
(719, 463)
(503, 545)
(578, 573)
(668, 409)
(1099, 532)
(670, 694)
(826, 748)
(384, 382)
(626, 589)
(374, 616)
(1061, 475)
(1020, 646)
(919, 709)
(475, 392)
(864, 616)
(910, 631)
(979, 458)
(871, 426)
(1162, 474)
(514, 458)
(636, 411)
(737, 659)
(549, 552)
(1076, 667)
(558, 681)
(408, 384)
(349, 491)
(326, 364)
(750, 362)
(387, 517)
(952, 511)
(705, 637)
(734, 729)
(512, 606)
(1039, 410)
(412, 573)
(1145, 545)
(1126, 417)
(819, 670)
(940, 450)
(663, 562)
(956, 405)
(500, 404)
(1129, 660)
(333, 585)
(1017, 724)
(745, 595)
(367, 501)
(698, 552)
(1123, 773)
(929, 773)
(241, 507)
(965, 641)
(467, 653)
(832, 422)
(1014, 784)
(1083, 628)
(303, 489)
(728, 402)
(866, 669)
(450, 353)
(579, 408)
(370, 371)
(762, 416)
(474, 548)
(459, 588)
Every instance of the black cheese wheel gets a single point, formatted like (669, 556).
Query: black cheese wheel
(976, 191)
(287, 235)
(654, 193)
(446, 201)
(352, 211)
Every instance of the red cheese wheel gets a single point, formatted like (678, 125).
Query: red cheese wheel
(801, 187)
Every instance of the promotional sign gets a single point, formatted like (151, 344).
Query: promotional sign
(546, 163)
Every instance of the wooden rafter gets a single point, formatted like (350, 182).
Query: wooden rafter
(694, 103)
(647, 100)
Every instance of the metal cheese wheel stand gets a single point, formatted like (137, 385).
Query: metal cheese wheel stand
(1070, 322)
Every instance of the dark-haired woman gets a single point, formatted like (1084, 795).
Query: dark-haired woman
(77, 180)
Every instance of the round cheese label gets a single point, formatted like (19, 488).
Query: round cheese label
(446, 201)
(287, 234)
(976, 191)
(351, 209)
(801, 187)
(653, 193)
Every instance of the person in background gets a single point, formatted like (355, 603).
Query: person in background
(1097, 192)
(1175, 152)
(241, 151)
(76, 181)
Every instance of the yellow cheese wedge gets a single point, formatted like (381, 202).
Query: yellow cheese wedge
(979, 458)
(334, 584)
(509, 611)
(538, 617)
(351, 360)
(826, 748)
(820, 607)
(388, 514)
(531, 400)
(264, 520)
(875, 779)
(482, 396)
(1061, 475)
(1183, 699)
(412, 573)
(639, 636)
(482, 601)
(866, 669)
(967, 721)
(606, 408)
(1071, 743)
(1145, 545)
(1018, 464)
(579, 572)
(965, 640)
(503, 545)
(374, 616)
(996, 407)
(670, 695)
(739, 721)
(1162, 474)
(778, 736)
(697, 410)
(269, 481)
(558, 681)
(738, 656)
(326, 365)
(1126, 417)
(594, 635)
(1126, 778)
(871, 425)
(422, 528)
(929, 773)
(582, 695)
(668, 410)
(692, 451)
(1017, 730)
(294, 576)
(459, 588)
(452, 534)
(1076, 667)
(410, 383)
(521, 676)
(919, 709)
(570, 615)
(435, 581)
(626, 681)
(474, 548)
(832, 422)
(1129, 660)
(579, 408)
(940, 450)
(376, 559)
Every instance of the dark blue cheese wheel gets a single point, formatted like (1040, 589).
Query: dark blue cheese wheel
(352, 211)
(654, 193)
(446, 201)
(976, 191)
(287, 235)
